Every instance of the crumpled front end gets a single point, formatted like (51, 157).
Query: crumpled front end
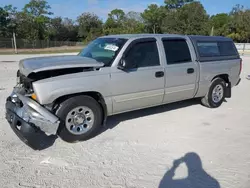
(28, 119)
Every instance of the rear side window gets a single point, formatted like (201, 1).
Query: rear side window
(212, 49)
(227, 48)
(208, 49)
(176, 51)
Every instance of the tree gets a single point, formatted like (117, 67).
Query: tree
(26, 28)
(11, 26)
(116, 15)
(153, 18)
(37, 12)
(133, 23)
(37, 8)
(190, 19)
(115, 22)
(62, 29)
(118, 22)
(239, 26)
(4, 21)
(176, 16)
(57, 31)
(72, 29)
(90, 26)
(175, 4)
(219, 23)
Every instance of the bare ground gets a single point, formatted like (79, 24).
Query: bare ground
(138, 148)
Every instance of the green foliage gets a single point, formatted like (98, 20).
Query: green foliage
(239, 25)
(90, 26)
(191, 19)
(4, 21)
(62, 29)
(153, 18)
(116, 15)
(34, 17)
(118, 22)
(133, 23)
(26, 27)
(11, 26)
(34, 22)
(220, 22)
(37, 8)
(115, 22)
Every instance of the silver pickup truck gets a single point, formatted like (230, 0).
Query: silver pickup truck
(71, 96)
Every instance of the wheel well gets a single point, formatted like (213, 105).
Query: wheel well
(225, 77)
(96, 95)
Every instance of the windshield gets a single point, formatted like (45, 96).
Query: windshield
(103, 49)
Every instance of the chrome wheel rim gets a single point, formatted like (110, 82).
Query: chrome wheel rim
(217, 93)
(79, 120)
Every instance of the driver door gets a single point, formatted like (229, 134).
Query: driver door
(142, 85)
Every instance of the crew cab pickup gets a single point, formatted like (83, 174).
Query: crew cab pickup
(71, 96)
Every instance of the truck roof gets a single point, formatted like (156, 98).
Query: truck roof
(192, 37)
(208, 38)
(195, 39)
(129, 36)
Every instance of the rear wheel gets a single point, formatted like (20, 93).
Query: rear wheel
(216, 94)
(80, 117)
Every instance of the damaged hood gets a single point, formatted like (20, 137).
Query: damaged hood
(38, 64)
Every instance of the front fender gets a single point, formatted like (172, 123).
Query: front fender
(48, 90)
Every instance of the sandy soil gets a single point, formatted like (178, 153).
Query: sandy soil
(138, 149)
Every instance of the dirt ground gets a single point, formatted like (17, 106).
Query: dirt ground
(138, 149)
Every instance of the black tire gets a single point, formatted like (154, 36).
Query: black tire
(66, 106)
(207, 100)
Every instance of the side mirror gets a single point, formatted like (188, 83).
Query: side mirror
(123, 65)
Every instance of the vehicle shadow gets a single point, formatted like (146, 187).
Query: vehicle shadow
(197, 176)
(45, 142)
(113, 121)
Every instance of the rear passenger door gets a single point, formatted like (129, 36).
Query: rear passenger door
(181, 70)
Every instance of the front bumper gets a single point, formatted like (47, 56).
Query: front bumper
(30, 121)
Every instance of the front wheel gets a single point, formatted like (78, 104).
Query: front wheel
(216, 94)
(80, 118)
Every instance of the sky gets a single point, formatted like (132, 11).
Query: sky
(73, 8)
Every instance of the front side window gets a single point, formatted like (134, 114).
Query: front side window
(103, 50)
(176, 51)
(143, 54)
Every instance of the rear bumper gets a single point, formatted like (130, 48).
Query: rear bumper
(31, 122)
